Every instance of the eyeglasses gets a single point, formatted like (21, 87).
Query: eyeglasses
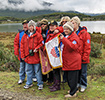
(64, 21)
(43, 24)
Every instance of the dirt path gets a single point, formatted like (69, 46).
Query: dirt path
(7, 95)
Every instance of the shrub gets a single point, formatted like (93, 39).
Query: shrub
(95, 50)
(8, 59)
(97, 70)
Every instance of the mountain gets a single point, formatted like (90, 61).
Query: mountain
(23, 14)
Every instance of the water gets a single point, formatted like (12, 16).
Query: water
(92, 26)
(11, 27)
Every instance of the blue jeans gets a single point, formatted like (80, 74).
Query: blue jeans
(22, 70)
(30, 69)
(83, 76)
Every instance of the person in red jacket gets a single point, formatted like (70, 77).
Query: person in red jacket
(17, 41)
(71, 58)
(63, 21)
(30, 44)
(85, 51)
(56, 72)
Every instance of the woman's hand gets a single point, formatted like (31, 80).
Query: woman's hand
(61, 36)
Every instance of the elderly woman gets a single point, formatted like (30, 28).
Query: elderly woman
(85, 42)
(71, 58)
(64, 20)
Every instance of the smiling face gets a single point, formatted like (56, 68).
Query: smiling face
(25, 26)
(67, 30)
(44, 26)
(76, 26)
(31, 28)
(52, 27)
(64, 22)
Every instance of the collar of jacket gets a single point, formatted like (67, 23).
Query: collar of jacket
(70, 34)
(34, 34)
(81, 29)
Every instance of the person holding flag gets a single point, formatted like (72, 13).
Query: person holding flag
(55, 53)
(63, 21)
(71, 58)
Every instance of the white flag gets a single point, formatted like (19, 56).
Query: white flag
(54, 53)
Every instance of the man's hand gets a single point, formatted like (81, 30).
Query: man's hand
(35, 50)
(23, 58)
(56, 31)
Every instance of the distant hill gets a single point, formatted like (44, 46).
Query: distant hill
(15, 15)
(23, 14)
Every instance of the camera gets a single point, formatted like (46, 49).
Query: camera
(31, 53)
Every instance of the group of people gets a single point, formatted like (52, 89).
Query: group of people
(75, 45)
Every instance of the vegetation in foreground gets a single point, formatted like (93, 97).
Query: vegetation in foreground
(95, 90)
(9, 66)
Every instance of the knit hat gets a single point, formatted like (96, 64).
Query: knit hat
(53, 22)
(44, 21)
(76, 19)
(67, 18)
(25, 21)
(31, 22)
(69, 25)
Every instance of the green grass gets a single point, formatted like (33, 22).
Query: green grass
(95, 89)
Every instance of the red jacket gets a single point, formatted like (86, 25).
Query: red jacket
(85, 45)
(38, 29)
(16, 46)
(60, 28)
(28, 43)
(70, 55)
(51, 36)
(17, 41)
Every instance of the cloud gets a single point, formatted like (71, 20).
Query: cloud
(86, 6)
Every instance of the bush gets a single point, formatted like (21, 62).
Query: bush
(95, 50)
(8, 59)
(91, 64)
(97, 70)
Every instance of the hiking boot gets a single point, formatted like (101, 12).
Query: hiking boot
(20, 81)
(34, 80)
(50, 87)
(55, 88)
(28, 86)
(40, 87)
(70, 96)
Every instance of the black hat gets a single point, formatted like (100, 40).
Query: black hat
(53, 22)
(25, 21)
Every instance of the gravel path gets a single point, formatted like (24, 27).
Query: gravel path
(7, 95)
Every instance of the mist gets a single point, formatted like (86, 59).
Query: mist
(84, 6)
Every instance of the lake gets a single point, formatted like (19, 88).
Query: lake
(92, 26)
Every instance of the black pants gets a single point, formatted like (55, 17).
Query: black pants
(72, 79)
(56, 73)
(44, 78)
(50, 79)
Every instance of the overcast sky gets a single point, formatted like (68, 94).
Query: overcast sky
(84, 6)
